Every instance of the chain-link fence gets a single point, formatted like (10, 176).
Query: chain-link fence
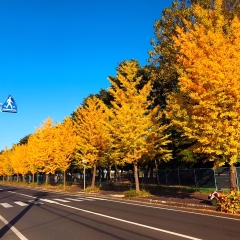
(194, 178)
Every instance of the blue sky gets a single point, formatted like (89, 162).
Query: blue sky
(54, 53)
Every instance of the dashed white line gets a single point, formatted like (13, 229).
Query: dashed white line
(47, 200)
(21, 203)
(6, 205)
(73, 199)
(87, 199)
(61, 200)
(102, 199)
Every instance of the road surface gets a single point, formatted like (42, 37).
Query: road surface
(36, 215)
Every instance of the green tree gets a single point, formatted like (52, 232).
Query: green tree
(24, 140)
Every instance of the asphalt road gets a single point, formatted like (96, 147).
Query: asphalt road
(37, 215)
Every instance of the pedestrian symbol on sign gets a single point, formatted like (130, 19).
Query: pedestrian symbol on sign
(9, 105)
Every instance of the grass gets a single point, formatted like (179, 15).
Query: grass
(133, 193)
(123, 186)
(91, 189)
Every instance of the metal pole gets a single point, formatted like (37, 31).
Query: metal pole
(214, 173)
(237, 178)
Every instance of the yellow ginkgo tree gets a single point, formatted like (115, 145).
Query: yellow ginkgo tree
(66, 140)
(48, 146)
(207, 105)
(34, 165)
(42, 148)
(6, 163)
(135, 120)
(93, 135)
(19, 160)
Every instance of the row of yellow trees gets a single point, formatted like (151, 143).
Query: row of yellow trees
(49, 149)
(204, 106)
(130, 131)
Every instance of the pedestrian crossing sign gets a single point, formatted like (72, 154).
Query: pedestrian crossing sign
(9, 105)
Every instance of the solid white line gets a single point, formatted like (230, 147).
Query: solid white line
(21, 203)
(173, 210)
(20, 235)
(129, 222)
(6, 205)
(22, 194)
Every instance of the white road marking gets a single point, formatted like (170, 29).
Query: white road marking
(73, 199)
(47, 200)
(22, 194)
(129, 222)
(173, 210)
(86, 199)
(6, 205)
(17, 233)
(21, 203)
(96, 198)
(35, 202)
(61, 200)
(147, 206)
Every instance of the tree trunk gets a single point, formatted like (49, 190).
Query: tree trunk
(109, 173)
(17, 177)
(64, 179)
(116, 172)
(33, 178)
(158, 181)
(233, 180)
(94, 175)
(47, 178)
(136, 176)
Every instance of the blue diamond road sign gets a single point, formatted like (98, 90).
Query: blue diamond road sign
(9, 105)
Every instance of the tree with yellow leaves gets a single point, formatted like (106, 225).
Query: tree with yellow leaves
(47, 147)
(6, 163)
(33, 154)
(42, 148)
(207, 107)
(19, 160)
(93, 135)
(135, 121)
(66, 140)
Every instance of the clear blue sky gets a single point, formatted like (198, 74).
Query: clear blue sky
(54, 53)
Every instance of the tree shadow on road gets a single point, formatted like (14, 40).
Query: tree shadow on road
(11, 223)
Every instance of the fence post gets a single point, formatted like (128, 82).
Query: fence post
(178, 179)
(195, 178)
(166, 177)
